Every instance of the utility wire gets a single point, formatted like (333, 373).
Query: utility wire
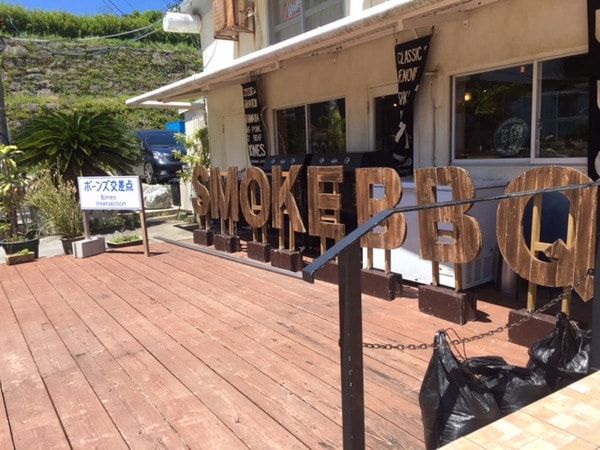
(112, 7)
(92, 38)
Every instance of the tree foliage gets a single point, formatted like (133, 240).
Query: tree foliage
(78, 144)
(197, 152)
(18, 21)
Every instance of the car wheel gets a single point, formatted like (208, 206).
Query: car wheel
(149, 176)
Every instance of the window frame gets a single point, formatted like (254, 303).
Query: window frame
(307, 124)
(536, 97)
(304, 15)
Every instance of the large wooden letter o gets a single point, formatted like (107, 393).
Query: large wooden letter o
(256, 210)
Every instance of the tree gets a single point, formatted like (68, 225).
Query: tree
(78, 144)
(198, 152)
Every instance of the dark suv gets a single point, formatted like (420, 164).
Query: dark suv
(159, 163)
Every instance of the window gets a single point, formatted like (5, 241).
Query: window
(504, 113)
(315, 128)
(293, 17)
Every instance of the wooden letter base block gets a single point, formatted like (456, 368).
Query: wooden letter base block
(226, 243)
(328, 273)
(531, 331)
(259, 251)
(457, 307)
(287, 260)
(204, 237)
(386, 286)
(372, 282)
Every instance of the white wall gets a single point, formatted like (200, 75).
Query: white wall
(503, 33)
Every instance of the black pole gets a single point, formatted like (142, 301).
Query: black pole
(595, 325)
(593, 154)
(353, 405)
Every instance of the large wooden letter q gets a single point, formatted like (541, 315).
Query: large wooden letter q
(567, 262)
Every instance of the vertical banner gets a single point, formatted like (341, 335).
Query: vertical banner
(257, 147)
(594, 100)
(410, 64)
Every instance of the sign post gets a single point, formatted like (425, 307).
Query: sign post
(113, 193)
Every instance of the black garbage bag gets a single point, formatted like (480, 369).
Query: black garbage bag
(453, 401)
(563, 356)
(513, 387)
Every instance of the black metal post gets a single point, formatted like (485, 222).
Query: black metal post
(353, 405)
(595, 326)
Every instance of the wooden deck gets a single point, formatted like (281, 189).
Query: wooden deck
(187, 350)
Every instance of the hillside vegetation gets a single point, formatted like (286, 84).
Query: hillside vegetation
(61, 61)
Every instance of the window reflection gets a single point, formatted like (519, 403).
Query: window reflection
(315, 128)
(493, 111)
(292, 17)
(564, 108)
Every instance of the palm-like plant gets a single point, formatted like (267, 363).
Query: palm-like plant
(78, 144)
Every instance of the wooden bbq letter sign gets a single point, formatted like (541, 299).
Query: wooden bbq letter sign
(447, 233)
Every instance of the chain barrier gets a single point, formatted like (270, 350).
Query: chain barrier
(403, 347)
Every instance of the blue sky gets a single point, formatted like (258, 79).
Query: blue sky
(91, 7)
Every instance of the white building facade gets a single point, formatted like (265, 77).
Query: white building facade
(504, 88)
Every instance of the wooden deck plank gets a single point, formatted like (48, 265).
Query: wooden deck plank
(32, 419)
(139, 423)
(5, 437)
(321, 388)
(186, 414)
(82, 415)
(243, 289)
(187, 349)
(235, 367)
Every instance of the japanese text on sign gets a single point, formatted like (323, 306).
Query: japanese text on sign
(109, 193)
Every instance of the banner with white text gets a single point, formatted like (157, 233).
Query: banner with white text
(410, 65)
(257, 146)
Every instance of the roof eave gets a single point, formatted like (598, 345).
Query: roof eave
(378, 20)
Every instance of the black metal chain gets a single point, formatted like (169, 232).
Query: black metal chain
(402, 347)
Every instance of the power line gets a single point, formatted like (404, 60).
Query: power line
(130, 6)
(112, 7)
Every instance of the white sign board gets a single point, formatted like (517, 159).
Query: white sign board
(110, 193)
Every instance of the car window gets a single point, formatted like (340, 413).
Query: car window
(161, 139)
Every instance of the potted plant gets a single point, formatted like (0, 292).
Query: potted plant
(124, 240)
(22, 256)
(197, 154)
(17, 229)
(56, 201)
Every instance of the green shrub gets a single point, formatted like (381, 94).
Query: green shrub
(56, 200)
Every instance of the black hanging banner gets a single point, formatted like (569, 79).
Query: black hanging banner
(594, 99)
(257, 146)
(410, 65)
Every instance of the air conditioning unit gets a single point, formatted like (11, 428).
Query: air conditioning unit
(232, 17)
(406, 259)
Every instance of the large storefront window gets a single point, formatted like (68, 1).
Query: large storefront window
(505, 113)
(315, 128)
(292, 17)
